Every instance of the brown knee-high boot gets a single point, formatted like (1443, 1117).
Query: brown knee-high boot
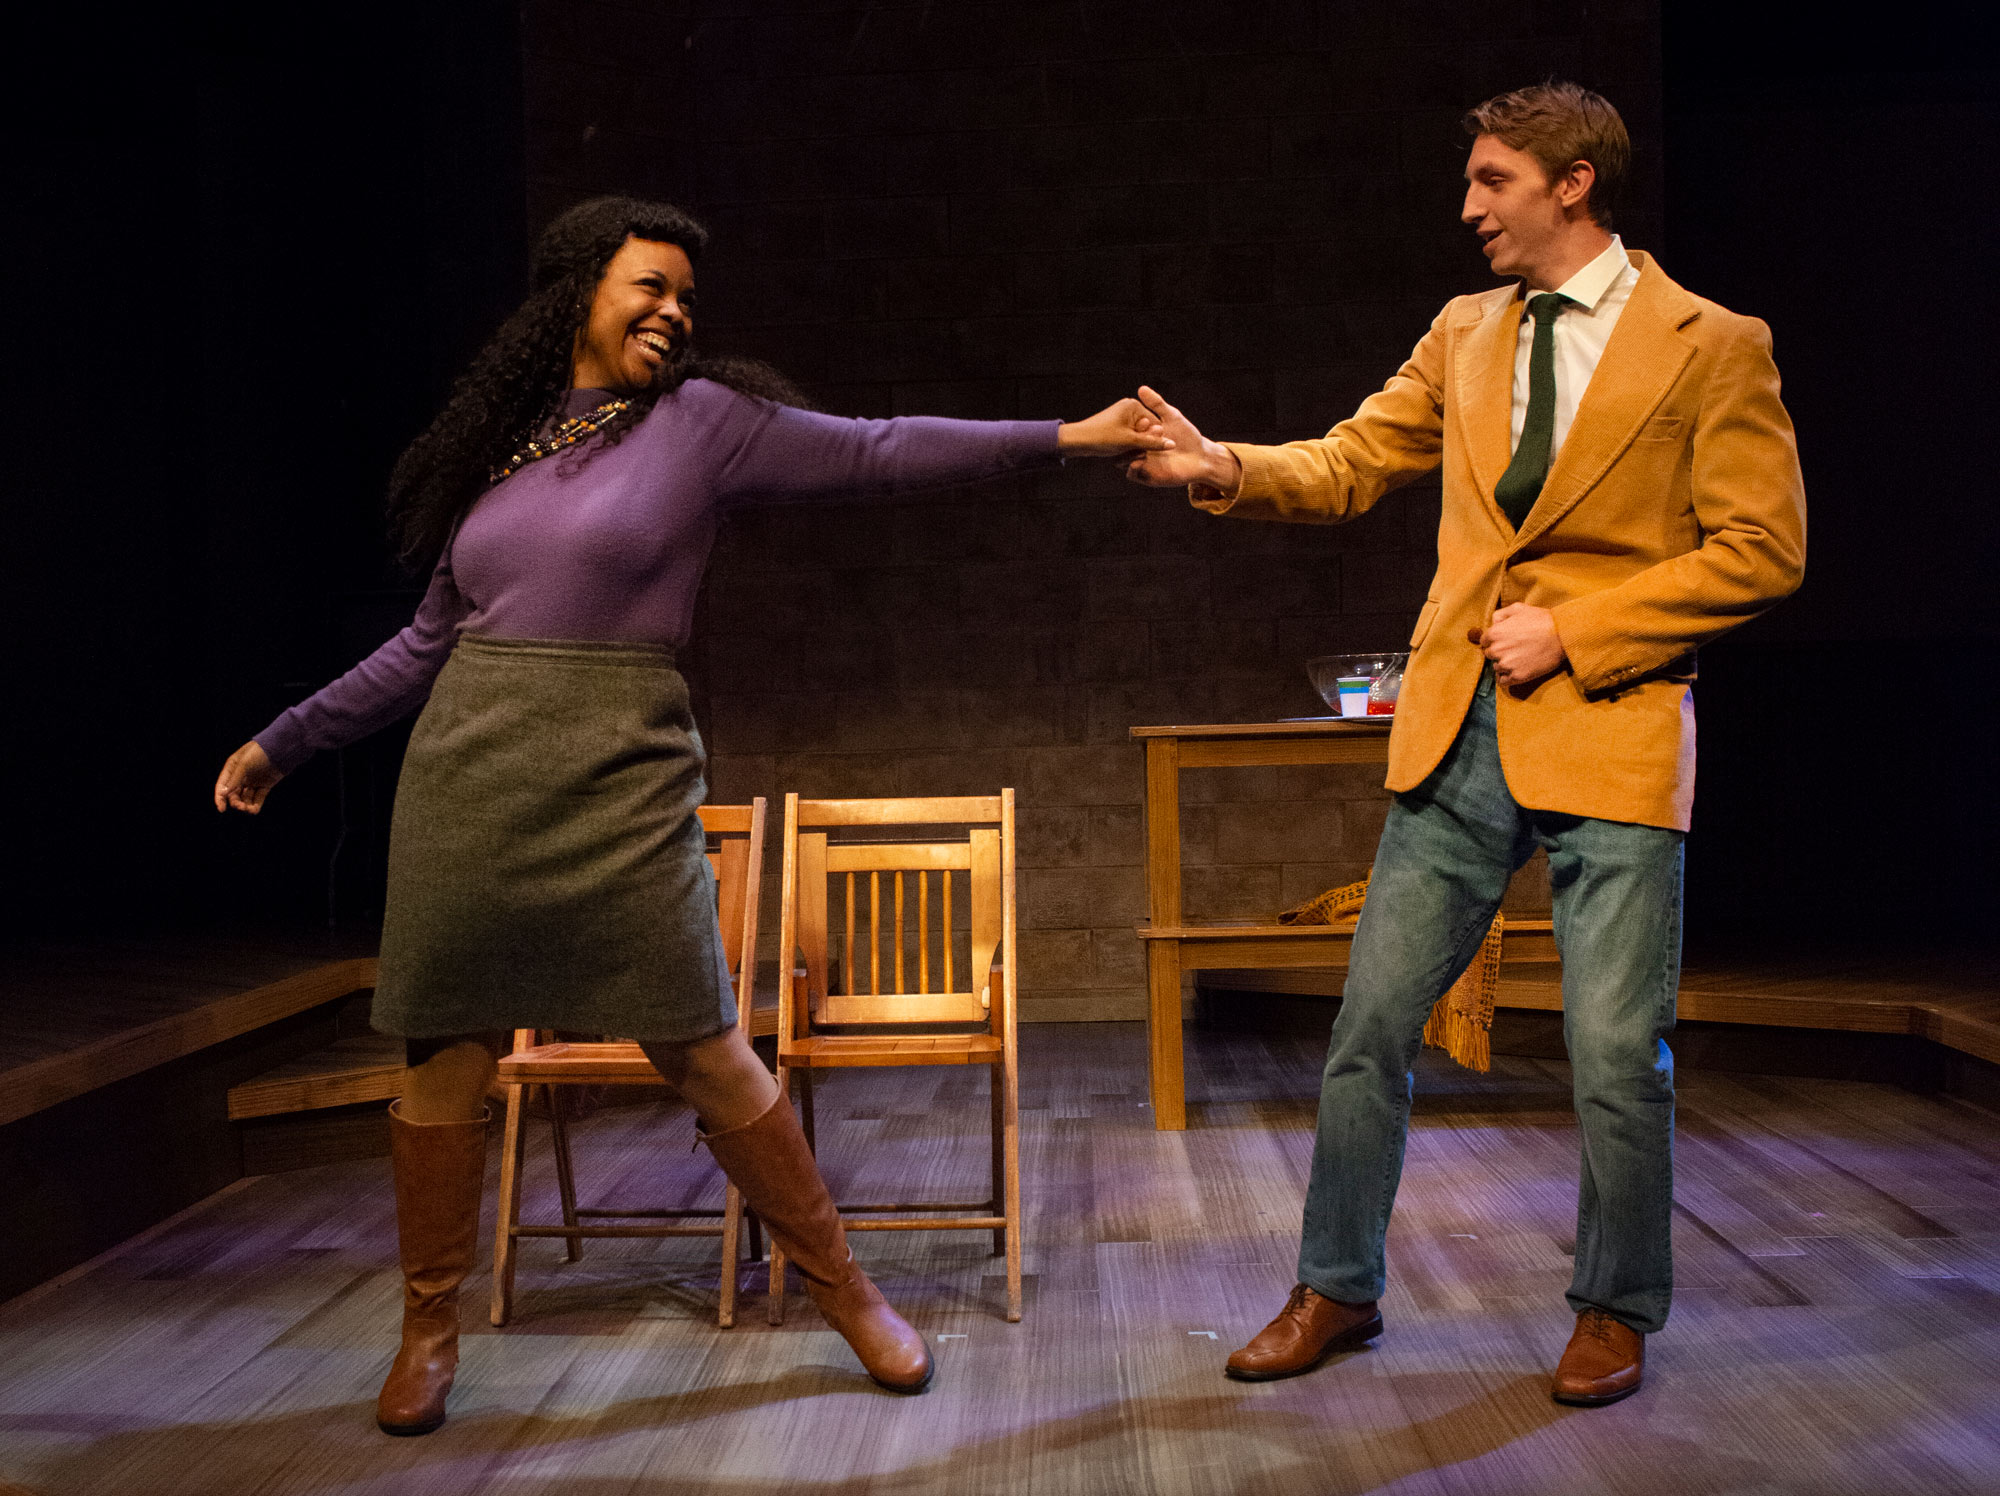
(768, 1160)
(440, 1169)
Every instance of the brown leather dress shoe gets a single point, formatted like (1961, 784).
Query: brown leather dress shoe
(1310, 1329)
(1605, 1361)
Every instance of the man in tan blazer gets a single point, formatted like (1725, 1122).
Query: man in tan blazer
(1621, 485)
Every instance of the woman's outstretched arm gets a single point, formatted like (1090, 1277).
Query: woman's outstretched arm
(788, 453)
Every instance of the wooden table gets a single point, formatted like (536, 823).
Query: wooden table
(1173, 945)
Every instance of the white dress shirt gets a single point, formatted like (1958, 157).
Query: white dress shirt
(1600, 291)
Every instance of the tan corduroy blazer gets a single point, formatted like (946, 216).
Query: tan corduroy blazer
(1674, 512)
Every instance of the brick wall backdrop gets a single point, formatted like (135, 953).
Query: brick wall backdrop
(1025, 210)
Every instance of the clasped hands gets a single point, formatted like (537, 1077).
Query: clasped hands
(1521, 639)
(1121, 429)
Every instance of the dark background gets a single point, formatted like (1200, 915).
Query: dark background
(245, 263)
(1820, 176)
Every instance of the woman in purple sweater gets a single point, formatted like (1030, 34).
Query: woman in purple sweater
(546, 865)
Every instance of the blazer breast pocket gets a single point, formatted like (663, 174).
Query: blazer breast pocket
(1662, 429)
(1424, 621)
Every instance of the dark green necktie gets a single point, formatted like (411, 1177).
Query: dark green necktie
(1521, 484)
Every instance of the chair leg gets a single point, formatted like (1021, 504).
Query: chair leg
(565, 1173)
(732, 1221)
(774, 1307)
(1008, 1077)
(774, 1310)
(806, 1108)
(756, 1235)
(996, 1200)
(508, 1215)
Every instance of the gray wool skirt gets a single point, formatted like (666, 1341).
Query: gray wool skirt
(547, 868)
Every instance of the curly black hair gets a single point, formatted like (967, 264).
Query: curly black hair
(515, 384)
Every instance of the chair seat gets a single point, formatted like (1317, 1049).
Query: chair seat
(612, 1062)
(828, 1050)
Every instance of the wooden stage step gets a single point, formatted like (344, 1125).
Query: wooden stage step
(80, 1016)
(118, 1053)
(363, 1067)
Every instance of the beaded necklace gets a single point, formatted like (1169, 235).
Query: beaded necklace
(567, 434)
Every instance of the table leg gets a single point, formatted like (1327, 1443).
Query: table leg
(1166, 1072)
(1163, 956)
(1163, 832)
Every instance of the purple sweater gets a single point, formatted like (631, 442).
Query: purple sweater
(613, 548)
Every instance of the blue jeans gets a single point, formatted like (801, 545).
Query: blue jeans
(1447, 851)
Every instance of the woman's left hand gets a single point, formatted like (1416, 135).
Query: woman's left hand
(1115, 431)
(246, 779)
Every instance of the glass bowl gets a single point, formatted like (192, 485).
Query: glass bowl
(1358, 685)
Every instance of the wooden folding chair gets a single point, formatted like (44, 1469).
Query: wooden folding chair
(925, 976)
(736, 834)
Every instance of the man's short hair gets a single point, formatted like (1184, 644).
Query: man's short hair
(1560, 124)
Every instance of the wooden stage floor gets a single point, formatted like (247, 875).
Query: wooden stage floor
(1837, 1327)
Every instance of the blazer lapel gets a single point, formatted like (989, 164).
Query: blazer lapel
(1640, 364)
(1485, 398)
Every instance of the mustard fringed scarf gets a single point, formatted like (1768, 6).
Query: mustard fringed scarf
(1462, 1022)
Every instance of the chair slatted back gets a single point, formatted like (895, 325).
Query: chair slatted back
(737, 856)
(915, 892)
